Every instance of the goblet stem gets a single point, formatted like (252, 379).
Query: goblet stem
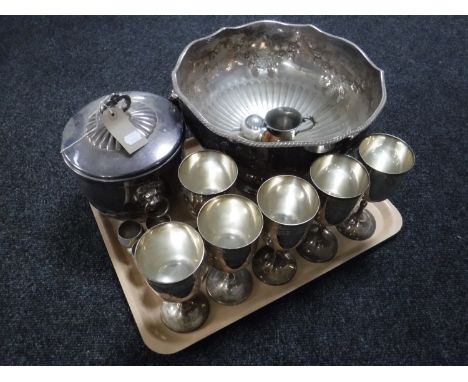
(360, 225)
(361, 208)
(229, 288)
(355, 216)
(276, 260)
(274, 267)
(185, 316)
(320, 244)
(230, 277)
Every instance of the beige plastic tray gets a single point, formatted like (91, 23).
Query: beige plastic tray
(145, 304)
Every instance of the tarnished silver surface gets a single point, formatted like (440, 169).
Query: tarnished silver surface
(230, 225)
(92, 152)
(205, 174)
(185, 316)
(118, 184)
(230, 288)
(253, 68)
(288, 204)
(388, 159)
(129, 232)
(360, 225)
(341, 181)
(171, 258)
(151, 195)
(319, 246)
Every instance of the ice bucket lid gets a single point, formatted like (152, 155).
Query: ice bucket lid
(91, 151)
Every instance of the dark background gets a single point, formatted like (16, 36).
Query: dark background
(60, 301)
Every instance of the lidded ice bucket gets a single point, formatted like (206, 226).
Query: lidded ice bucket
(125, 149)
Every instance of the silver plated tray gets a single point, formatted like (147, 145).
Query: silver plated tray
(250, 69)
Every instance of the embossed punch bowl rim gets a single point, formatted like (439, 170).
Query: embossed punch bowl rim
(238, 138)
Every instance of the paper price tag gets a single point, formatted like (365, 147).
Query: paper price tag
(123, 130)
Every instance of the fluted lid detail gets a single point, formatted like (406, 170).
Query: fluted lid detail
(141, 116)
(91, 151)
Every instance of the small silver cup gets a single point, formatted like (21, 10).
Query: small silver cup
(129, 232)
(282, 122)
(204, 175)
(388, 159)
(341, 181)
(171, 257)
(289, 204)
(230, 225)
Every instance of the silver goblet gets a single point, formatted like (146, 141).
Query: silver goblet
(230, 225)
(171, 257)
(205, 174)
(387, 159)
(341, 181)
(289, 204)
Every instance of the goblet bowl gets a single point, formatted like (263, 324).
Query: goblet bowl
(230, 225)
(171, 257)
(387, 159)
(205, 174)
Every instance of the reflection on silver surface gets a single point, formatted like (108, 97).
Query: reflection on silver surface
(110, 178)
(205, 174)
(339, 176)
(169, 253)
(129, 232)
(230, 221)
(283, 118)
(387, 154)
(230, 225)
(289, 204)
(171, 256)
(253, 127)
(341, 181)
(388, 160)
(284, 123)
(256, 67)
(100, 158)
(288, 200)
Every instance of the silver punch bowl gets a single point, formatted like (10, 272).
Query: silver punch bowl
(236, 72)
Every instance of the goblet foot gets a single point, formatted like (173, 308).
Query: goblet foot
(272, 267)
(229, 288)
(360, 228)
(185, 316)
(319, 246)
